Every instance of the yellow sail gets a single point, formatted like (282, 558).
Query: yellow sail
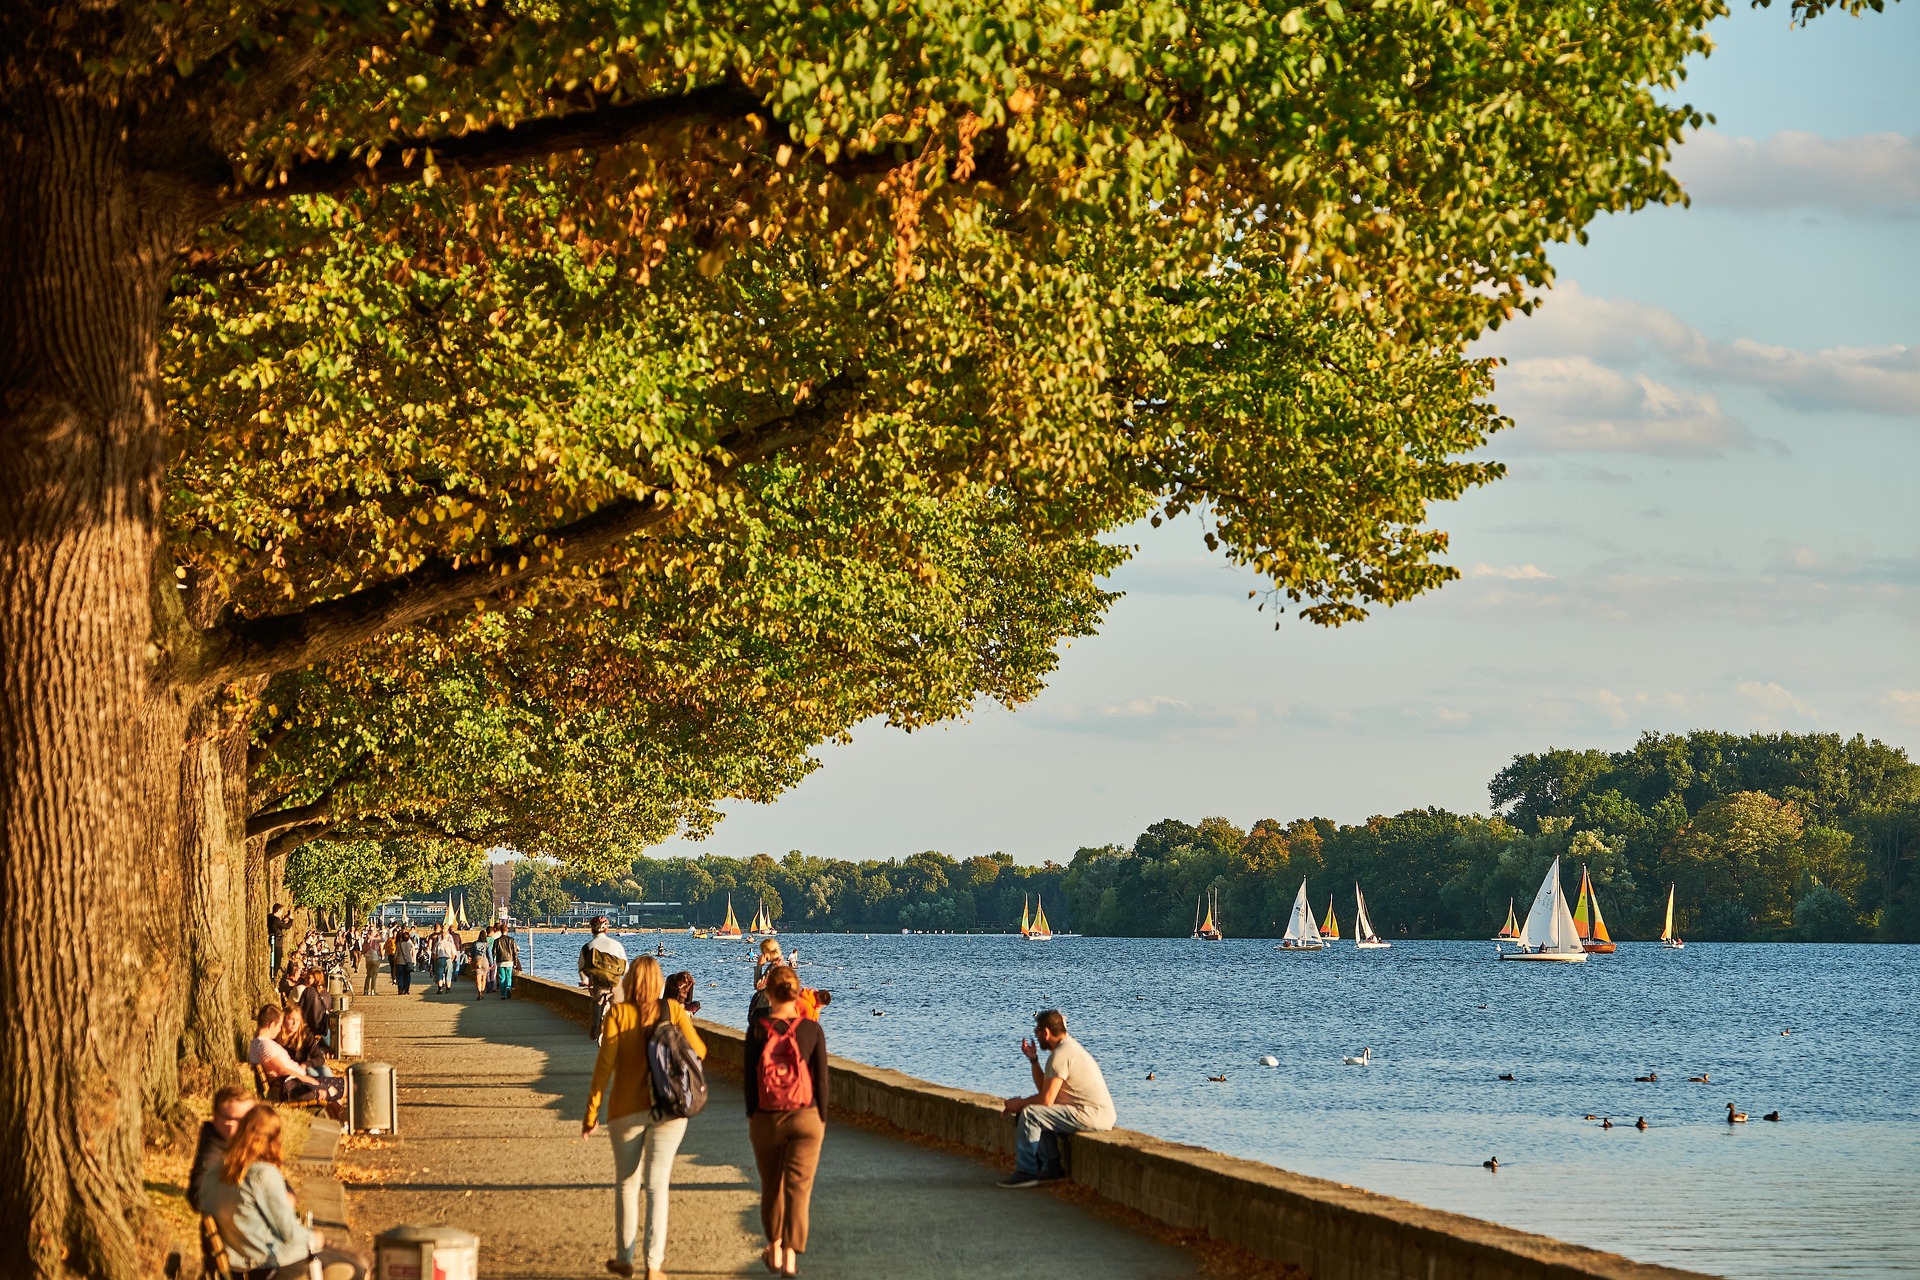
(1330, 927)
(1600, 933)
(1511, 929)
(731, 928)
(1666, 930)
(1026, 920)
(1206, 926)
(1580, 925)
(450, 922)
(1040, 926)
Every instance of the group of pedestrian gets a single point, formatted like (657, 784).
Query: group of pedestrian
(644, 1029)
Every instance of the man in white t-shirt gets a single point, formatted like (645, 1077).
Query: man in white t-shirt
(601, 976)
(1072, 1097)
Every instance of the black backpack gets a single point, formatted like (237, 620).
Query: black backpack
(679, 1079)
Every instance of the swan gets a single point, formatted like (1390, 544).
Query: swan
(1269, 1061)
(1365, 1058)
(1490, 1164)
(1699, 1079)
(1735, 1117)
(1773, 1116)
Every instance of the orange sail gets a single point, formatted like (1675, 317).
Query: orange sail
(1330, 927)
(731, 928)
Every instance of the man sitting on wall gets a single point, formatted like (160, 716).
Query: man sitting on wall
(1072, 1097)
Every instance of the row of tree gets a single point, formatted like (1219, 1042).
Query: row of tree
(426, 426)
(1768, 836)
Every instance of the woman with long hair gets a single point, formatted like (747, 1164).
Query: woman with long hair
(643, 1146)
(786, 1088)
(253, 1209)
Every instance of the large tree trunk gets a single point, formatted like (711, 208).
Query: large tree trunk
(88, 740)
(214, 853)
(260, 977)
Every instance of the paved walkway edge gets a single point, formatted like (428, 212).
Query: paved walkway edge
(1327, 1229)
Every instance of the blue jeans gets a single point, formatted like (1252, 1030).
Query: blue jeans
(1036, 1152)
(442, 970)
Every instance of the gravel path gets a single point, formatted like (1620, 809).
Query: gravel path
(491, 1095)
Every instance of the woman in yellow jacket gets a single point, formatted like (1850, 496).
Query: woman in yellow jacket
(643, 1147)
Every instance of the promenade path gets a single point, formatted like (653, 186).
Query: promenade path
(491, 1096)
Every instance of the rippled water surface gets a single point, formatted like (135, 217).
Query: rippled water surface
(1834, 1188)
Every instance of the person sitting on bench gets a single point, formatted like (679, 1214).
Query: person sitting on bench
(282, 1072)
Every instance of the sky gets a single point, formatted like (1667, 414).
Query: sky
(1711, 520)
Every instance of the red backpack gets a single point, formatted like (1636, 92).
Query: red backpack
(785, 1082)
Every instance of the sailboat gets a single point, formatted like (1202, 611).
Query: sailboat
(1026, 916)
(1667, 938)
(460, 912)
(730, 928)
(1511, 929)
(450, 922)
(1301, 935)
(1330, 927)
(1549, 932)
(761, 924)
(1588, 921)
(1206, 930)
(1364, 936)
(1040, 931)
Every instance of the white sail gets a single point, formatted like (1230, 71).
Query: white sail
(1549, 925)
(1363, 923)
(1300, 926)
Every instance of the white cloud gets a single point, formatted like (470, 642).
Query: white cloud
(1571, 404)
(1876, 173)
(1591, 374)
(1770, 702)
(1512, 572)
(1905, 705)
(1155, 716)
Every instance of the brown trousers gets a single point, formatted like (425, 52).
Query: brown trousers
(786, 1147)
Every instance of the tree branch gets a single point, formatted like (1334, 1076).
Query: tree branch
(402, 160)
(285, 642)
(306, 815)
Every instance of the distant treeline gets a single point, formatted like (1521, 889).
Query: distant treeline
(1781, 836)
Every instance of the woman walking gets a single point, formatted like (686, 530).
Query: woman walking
(643, 1147)
(445, 951)
(250, 1204)
(482, 964)
(786, 1088)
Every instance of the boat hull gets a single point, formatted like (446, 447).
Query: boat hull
(1562, 957)
(1301, 946)
(1372, 946)
(1674, 944)
(1599, 948)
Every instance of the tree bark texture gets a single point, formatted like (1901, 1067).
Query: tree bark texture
(88, 780)
(259, 972)
(214, 857)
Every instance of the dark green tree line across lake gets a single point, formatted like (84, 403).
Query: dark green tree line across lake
(1766, 836)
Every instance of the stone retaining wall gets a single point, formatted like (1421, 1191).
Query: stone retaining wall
(1329, 1230)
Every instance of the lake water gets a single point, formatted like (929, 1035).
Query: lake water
(1834, 1188)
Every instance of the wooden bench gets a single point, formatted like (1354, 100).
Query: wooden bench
(264, 1089)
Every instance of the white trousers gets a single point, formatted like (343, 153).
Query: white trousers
(643, 1151)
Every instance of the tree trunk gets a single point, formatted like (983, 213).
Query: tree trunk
(88, 781)
(260, 977)
(214, 854)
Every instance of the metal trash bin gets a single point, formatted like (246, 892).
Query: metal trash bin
(336, 985)
(373, 1098)
(343, 1002)
(352, 1035)
(426, 1253)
